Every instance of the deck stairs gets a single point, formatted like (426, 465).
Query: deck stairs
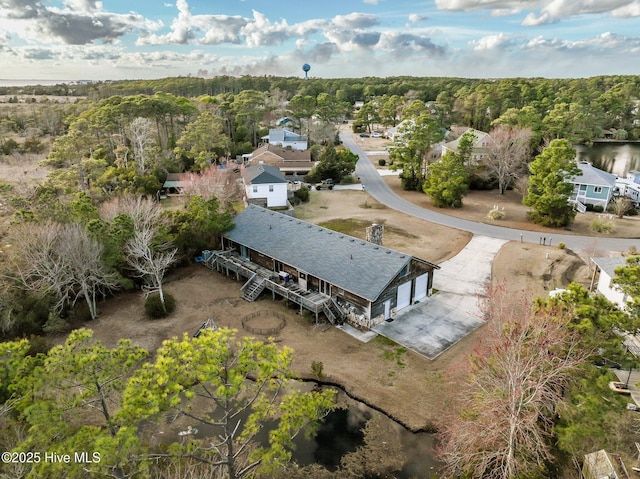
(253, 287)
(332, 311)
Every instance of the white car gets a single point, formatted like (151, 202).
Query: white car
(376, 135)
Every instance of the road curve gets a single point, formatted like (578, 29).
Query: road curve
(378, 189)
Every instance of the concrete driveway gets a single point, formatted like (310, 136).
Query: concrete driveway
(437, 322)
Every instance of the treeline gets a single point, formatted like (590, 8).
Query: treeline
(477, 102)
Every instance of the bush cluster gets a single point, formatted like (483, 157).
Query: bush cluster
(496, 214)
(302, 194)
(600, 226)
(153, 306)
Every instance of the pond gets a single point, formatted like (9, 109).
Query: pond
(341, 433)
(615, 157)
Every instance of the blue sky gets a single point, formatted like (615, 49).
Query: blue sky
(102, 40)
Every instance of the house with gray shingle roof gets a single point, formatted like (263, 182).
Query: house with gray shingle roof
(265, 185)
(482, 146)
(286, 139)
(592, 186)
(607, 267)
(367, 282)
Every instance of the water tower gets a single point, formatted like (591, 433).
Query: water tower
(305, 68)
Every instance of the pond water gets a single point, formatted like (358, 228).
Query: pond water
(616, 158)
(342, 433)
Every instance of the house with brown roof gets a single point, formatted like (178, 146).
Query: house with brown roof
(290, 162)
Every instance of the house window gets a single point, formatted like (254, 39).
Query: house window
(270, 188)
(583, 187)
(255, 188)
(597, 189)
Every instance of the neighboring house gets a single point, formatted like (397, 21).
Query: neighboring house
(482, 146)
(605, 287)
(323, 271)
(629, 187)
(265, 185)
(592, 187)
(291, 163)
(286, 139)
(175, 183)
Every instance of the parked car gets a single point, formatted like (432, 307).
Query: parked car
(618, 387)
(328, 183)
(376, 135)
(364, 135)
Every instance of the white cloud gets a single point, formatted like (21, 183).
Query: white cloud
(494, 42)
(261, 31)
(545, 11)
(356, 20)
(416, 18)
(371, 2)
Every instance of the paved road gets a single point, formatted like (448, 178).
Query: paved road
(377, 188)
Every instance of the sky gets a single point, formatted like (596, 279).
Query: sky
(145, 39)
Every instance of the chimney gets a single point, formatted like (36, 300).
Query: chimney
(374, 233)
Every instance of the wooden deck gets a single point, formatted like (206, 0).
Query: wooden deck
(229, 262)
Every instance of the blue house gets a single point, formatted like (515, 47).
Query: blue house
(592, 187)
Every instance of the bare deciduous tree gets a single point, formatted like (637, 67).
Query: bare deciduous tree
(144, 212)
(620, 205)
(507, 160)
(65, 261)
(141, 130)
(150, 259)
(219, 182)
(501, 425)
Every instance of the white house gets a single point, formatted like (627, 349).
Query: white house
(605, 287)
(265, 186)
(629, 187)
(286, 139)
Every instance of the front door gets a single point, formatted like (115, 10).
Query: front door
(387, 309)
(324, 287)
(302, 280)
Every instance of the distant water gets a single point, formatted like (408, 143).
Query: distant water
(5, 83)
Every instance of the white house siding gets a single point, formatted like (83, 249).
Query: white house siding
(294, 145)
(609, 291)
(275, 198)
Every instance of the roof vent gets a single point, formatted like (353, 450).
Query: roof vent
(352, 240)
(388, 252)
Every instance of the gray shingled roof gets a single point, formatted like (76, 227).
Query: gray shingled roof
(355, 265)
(609, 265)
(263, 174)
(593, 176)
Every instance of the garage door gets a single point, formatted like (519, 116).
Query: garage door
(404, 296)
(421, 286)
